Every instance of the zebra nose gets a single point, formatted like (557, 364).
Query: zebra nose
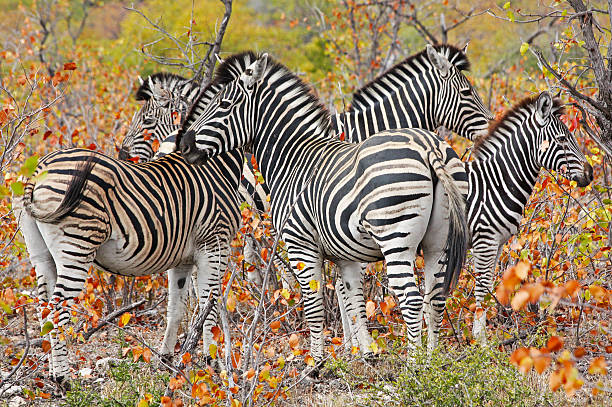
(124, 154)
(187, 142)
(588, 173)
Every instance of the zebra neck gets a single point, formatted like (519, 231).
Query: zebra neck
(404, 104)
(289, 145)
(509, 174)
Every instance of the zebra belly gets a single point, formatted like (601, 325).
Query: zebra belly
(113, 258)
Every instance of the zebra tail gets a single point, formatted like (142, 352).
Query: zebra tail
(458, 237)
(72, 196)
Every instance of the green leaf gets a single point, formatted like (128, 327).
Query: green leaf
(506, 5)
(510, 15)
(29, 166)
(524, 48)
(17, 188)
(244, 205)
(46, 328)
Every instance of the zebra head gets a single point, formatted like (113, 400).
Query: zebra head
(226, 122)
(458, 105)
(557, 148)
(165, 98)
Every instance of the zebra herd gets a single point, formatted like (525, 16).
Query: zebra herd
(390, 189)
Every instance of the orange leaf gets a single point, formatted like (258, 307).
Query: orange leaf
(294, 341)
(186, 359)
(166, 401)
(521, 270)
(46, 346)
(520, 300)
(275, 325)
(336, 341)
(598, 366)
(370, 308)
(579, 352)
(155, 145)
(250, 374)
(518, 355)
(598, 292)
(309, 360)
(556, 380)
(571, 288)
(146, 355)
(70, 66)
(45, 312)
(264, 254)
(540, 363)
(554, 344)
(216, 331)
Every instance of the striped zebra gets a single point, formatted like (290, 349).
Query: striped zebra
(503, 174)
(427, 90)
(349, 203)
(129, 219)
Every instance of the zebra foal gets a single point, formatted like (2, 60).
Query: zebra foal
(349, 203)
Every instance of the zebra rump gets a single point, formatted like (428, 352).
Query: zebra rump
(72, 197)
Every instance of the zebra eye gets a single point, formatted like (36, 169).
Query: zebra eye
(248, 72)
(465, 92)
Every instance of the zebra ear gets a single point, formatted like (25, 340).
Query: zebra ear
(465, 48)
(544, 106)
(254, 72)
(438, 60)
(260, 67)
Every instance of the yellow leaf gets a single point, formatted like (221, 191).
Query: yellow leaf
(506, 5)
(125, 318)
(524, 48)
(231, 301)
(212, 349)
(285, 293)
(314, 285)
(309, 360)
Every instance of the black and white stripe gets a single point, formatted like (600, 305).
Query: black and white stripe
(349, 203)
(503, 174)
(129, 219)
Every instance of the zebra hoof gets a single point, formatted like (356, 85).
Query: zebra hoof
(63, 384)
(166, 359)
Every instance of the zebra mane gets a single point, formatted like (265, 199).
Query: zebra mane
(283, 75)
(414, 62)
(518, 112)
(227, 71)
(165, 80)
(233, 66)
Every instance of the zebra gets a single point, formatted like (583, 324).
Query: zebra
(502, 176)
(427, 90)
(350, 203)
(82, 208)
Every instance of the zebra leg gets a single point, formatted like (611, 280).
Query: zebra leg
(434, 255)
(349, 335)
(400, 269)
(485, 259)
(308, 254)
(44, 266)
(251, 257)
(352, 280)
(178, 287)
(210, 266)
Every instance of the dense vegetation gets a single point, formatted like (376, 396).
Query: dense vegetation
(68, 72)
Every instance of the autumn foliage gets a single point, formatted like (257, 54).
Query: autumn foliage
(549, 313)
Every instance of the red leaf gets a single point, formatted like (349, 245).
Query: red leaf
(70, 66)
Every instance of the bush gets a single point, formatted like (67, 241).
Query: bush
(473, 376)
